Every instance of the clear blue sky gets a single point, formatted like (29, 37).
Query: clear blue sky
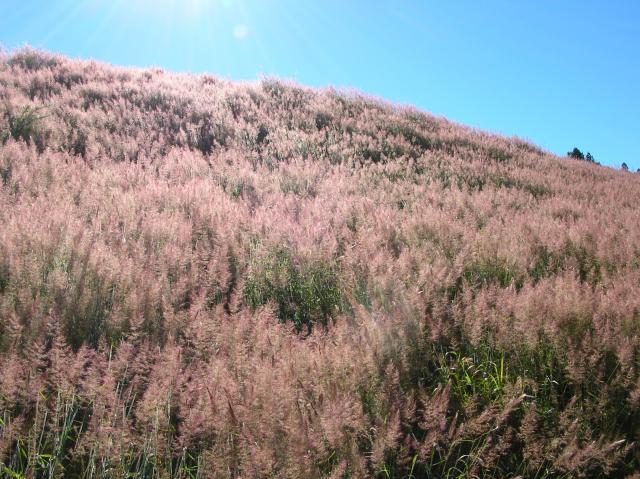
(560, 73)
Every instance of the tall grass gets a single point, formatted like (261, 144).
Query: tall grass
(207, 279)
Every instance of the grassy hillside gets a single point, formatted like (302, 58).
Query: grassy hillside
(200, 278)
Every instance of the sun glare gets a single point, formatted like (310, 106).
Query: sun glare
(202, 16)
(240, 31)
(177, 8)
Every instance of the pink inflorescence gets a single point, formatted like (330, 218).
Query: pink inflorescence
(201, 278)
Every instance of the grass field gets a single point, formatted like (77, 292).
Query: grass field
(200, 278)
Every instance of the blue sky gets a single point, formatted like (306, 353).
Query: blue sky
(560, 73)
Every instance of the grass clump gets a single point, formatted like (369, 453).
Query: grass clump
(480, 373)
(482, 273)
(305, 291)
(24, 126)
(498, 272)
(579, 257)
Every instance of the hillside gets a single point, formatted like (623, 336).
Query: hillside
(201, 278)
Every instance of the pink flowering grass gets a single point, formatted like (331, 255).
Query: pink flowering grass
(201, 278)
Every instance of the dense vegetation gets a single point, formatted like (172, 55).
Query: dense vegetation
(207, 279)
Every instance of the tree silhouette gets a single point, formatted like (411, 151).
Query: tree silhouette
(576, 153)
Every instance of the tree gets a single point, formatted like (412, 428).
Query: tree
(576, 153)
(625, 167)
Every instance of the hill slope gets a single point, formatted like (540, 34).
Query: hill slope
(264, 280)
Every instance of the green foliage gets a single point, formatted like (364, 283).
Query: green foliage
(486, 272)
(297, 186)
(480, 373)
(88, 309)
(503, 181)
(210, 135)
(369, 154)
(5, 170)
(548, 262)
(361, 291)
(157, 101)
(77, 138)
(413, 136)
(537, 191)
(305, 291)
(262, 135)
(499, 154)
(576, 154)
(482, 273)
(542, 369)
(240, 189)
(91, 97)
(52, 447)
(323, 120)
(5, 276)
(483, 377)
(24, 126)
(204, 131)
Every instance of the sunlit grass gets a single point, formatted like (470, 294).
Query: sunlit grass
(207, 279)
